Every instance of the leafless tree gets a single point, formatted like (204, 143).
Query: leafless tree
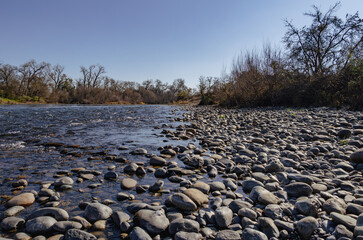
(92, 76)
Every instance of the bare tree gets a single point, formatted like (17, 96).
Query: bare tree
(327, 45)
(8, 77)
(30, 72)
(56, 75)
(92, 76)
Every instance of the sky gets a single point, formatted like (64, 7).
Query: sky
(136, 40)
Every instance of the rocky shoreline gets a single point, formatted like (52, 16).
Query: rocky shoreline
(274, 174)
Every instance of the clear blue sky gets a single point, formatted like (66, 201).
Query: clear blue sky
(137, 40)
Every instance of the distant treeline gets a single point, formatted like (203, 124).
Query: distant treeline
(42, 82)
(320, 65)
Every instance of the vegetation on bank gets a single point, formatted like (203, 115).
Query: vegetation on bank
(320, 65)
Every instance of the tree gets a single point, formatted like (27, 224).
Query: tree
(56, 75)
(31, 73)
(8, 78)
(92, 76)
(327, 45)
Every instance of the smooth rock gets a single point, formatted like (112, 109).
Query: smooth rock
(252, 234)
(182, 201)
(181, 224)
(228, 235)
(187, 236)
(57, 213)
(128, 183)
(306, 227)
(139, 234)
(154, 222)
(97, 211)
(40, 225)
(197, 196)
(63, 226)
(23, 199)
(12, 224)
(76, 234)
(223, 216)
(298, 189)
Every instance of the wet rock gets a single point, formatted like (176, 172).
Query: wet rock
(128, 183)
(97, 211)
(185, 225)
(139, 234)
(306, 227)
(111, 176)
(157, 186)
(57, 213)
(131, 168)
(183, 202)
(157, 161)
(23, 199)
(223, 216)
(22, 236)
(76, 234)
(298, 189)
(63, 181)
(344, 133)
(139, 151)
(12, 224)
(273, 211)
(237, 204)
(40, 225)
(154, 222)
(247, 212)
(119, 218)
(253, 234)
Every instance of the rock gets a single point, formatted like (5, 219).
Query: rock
(63, 181)
(128, 183)
(334, 205)
(237, 204)
(97, 211)
(154, 222)
(253, 234)
(248, 185)
(298, 189)
(182, 201)
(187, 235)
(157, 186)
(139, 234)
(230, 184)
(40, 225)
(181, 224)
(347, 221)
(223, 216)
(76, 234)
(57, 213)
(13, 211)
(273, 211)
(12, 224)
(344, 133)
(157, 161)
(353, 208)
(23, 199)
(111, 176)
(357, 156)
(99, 225)
(83, 221)
(341, 231)
(261, 195)
(64, 226)
(307, 207)
(139, 151)
(197, 196)
(228, 235)
(131, 168)
(268, 227)
(120, 217)
(22, 236)
(217, 186)
(306, 227)
(317, 187)
(274, 166)
(247, 212)
(201, 186)
(358, 230)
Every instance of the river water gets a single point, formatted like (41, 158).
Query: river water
(27, 149)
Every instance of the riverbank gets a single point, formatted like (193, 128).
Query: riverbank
(221, 174)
